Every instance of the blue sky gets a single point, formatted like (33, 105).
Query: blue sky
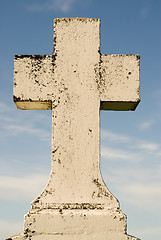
(130, 141)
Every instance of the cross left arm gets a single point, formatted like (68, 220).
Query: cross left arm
(33, 82)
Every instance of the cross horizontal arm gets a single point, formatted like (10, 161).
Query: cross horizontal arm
(119, 84)
(33, 81)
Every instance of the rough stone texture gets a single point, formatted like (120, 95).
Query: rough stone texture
(17, 237)
(119, 85)
(76, 82)
(33, 81)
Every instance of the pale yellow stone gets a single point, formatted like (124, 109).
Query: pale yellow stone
(76, 82)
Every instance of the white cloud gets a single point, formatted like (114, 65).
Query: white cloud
(145, 190)
(4, 107)
(15, 129)
(127, 148)
(118, 154)
(133, 171)
(149, 146)
(14, 122)
(113, 136)
(22, 188)
(146, 125)
(53, 5)
(142, 196)
(10, 228)
(147, 149)
(137, 183)
(136, 186)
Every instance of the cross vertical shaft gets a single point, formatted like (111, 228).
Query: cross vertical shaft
(76, 110)
(75, 176)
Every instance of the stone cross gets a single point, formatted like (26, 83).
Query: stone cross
(76, 82)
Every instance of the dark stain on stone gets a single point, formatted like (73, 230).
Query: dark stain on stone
(54, 151)
(79, 206)
(16, 99)
(59, 161)
(35, 57)
(97, 182)
(61, 211)
(111, 197)
(101, 190)
(27, 233)
(93, 194)
(37, 200)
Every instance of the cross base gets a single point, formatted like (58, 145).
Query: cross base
(58, 224)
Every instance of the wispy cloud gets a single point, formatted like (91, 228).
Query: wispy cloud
(118, 154)
(149, 146)
(125, 148)
(132, 168)
(142, 196)
(53, 5)
(14, 122)
(113, 136)
(15, 129)
(146, 125)
(12, 188)
(136, 185)
(10, 228)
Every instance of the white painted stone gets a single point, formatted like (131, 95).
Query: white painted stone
(77, 224)
(17, 237)
(33, 81)
(76, 82)
(120, 88)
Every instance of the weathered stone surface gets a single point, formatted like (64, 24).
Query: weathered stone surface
(76, 224)
(76, 82)
(33, 81)
(120, 84)
(17, 237)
